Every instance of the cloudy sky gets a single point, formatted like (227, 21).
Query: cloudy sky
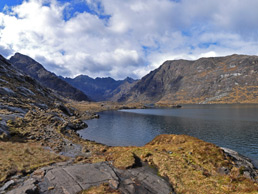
(121, 38)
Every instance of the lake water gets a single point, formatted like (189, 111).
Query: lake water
(231, 126)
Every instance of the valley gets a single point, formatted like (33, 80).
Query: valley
(41, 151)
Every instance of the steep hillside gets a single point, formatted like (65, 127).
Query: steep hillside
(230, 79)
(46, 78)
(19, 93)
(101, 89)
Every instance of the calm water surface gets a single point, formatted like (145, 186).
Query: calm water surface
(231, 126)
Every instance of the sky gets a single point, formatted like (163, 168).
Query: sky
(120, 38)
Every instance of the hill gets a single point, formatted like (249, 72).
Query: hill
(230, 79)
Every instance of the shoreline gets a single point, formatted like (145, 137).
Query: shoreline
(140, 106)
(183, 154)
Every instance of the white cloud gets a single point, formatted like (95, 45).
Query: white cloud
(127, 38)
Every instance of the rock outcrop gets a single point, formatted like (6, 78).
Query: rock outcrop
(78, 177)
(19, 93)
(231, 79)
(67, 178)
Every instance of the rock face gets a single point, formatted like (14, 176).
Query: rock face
(78, 177)
(231, 79)
(19, 93)
(101, 89)
(247, 168)
(14, 84)
(46, 78)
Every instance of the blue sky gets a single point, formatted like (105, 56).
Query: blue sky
(121, 38)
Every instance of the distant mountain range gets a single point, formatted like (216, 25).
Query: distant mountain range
(46, 78)
(80, 88)
(102, 89)
(230, 79)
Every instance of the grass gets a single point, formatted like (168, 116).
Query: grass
(101, 189)
(191, 165)
(22, 158)
(93, 107)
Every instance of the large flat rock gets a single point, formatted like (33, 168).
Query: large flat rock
(70, 179)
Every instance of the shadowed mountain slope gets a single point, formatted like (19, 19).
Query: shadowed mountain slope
(46, 78)
(101, 89)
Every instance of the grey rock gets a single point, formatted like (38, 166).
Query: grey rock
(142, 180)
(64, 109)
(7, 91)
(249, 170)
(7, 185)
(76, 125)
(42, 106)
(25, 91)
(74, 178)
(223, 170)
(28, 187)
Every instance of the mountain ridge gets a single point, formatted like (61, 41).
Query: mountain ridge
(101, 89)
(46, 78)
(229, 79)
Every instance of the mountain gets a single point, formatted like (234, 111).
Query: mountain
(16, 87)
(46, 78)
(230, 79)
(101, 89)
(19, 93)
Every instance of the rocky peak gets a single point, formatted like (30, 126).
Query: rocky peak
(46, 78)
(101, 89)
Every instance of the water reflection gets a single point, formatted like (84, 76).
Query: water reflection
(234, 127)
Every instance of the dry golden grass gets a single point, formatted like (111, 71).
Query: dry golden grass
(101, 189)
(190, 164)
(247, 94)
(93, 107)
(22, 158)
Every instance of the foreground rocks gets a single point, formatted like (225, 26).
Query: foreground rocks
(244, 163)
(71, 179)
